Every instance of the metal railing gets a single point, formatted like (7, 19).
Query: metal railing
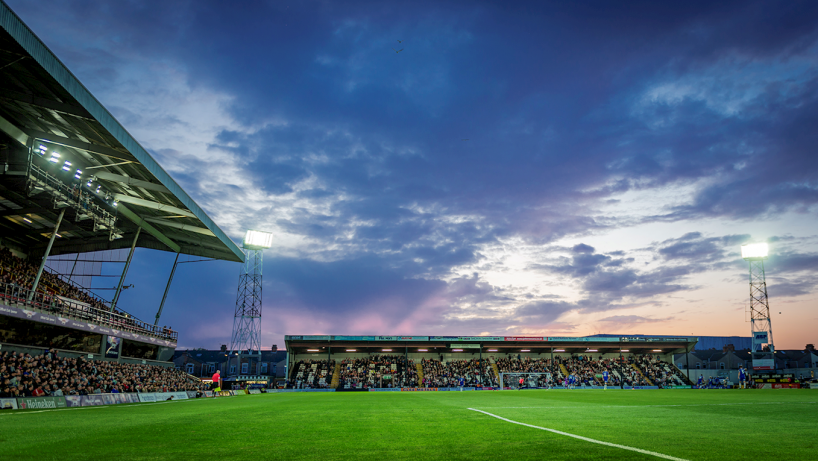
(14, 294)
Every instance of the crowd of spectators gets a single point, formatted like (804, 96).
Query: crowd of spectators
(24, 375)
(587, 371)
(474, 372)
(17, 277)
(378, 371)
(311, 374)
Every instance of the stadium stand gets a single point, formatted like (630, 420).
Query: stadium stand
(48, 374)
(55, 296)
(447, 373)
(640, 370)
(312, 374)
(378, 371)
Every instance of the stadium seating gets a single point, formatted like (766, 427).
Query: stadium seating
(448, 373)
(59, 297)
(378, 371)
(641, 370)
(24, 375)
(312, 374)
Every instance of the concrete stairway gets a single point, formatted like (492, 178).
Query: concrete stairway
(336, 375)
(564, 371)
(495, 369)
(633, 365)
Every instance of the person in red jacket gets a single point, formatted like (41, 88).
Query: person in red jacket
(217, 382)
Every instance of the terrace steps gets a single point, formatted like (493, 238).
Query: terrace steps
(336, 375)
(496, 371)
(633, 365)
(685, 379)
(419, 367)
(564, 371)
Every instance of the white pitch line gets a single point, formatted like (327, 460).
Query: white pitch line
(586, 439)
(589, 407)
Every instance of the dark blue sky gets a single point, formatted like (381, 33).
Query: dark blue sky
(534, 168)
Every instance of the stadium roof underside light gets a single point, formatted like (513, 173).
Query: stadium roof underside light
(503, 344)
(43, 104)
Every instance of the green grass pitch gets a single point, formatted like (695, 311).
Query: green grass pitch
(683, 424)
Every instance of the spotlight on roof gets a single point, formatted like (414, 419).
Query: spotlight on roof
(423, 350)
(55, 157)
(386, 350)
(352, 350)
(525, 350)
(66, 166)
(657, 350)
(27, 220)
(754, 251)
(457, 350)
(312, 350)
(625, 350)
(560, 350)
(492, 350)
(591, 350)
(257, 240)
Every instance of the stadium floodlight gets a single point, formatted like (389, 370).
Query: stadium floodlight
(457, 350)
(754, 251)
(492, 350)
(525, 350)
(257, 240)
(657, 350)
(352, 350)
(591, 350)
(560, 350)
(625, 350)
(55, 157)
(386, 350)
(312, 350)
(423, 350)
(27, 220)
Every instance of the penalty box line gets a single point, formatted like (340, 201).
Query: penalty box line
(586, 439)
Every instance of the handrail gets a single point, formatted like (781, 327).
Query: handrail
(54, 305)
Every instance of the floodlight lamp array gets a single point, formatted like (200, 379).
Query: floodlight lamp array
(257, 240)
(754, 251)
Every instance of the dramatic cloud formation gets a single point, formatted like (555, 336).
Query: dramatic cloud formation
(543, 168)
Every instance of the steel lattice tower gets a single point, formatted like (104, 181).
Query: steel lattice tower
(247, 319)
(759, 304)
(246, 337)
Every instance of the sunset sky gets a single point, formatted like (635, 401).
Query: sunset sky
(507, 168)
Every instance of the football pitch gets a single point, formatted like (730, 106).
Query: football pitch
(488, 425)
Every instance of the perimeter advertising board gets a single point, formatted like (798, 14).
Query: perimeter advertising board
(8, 404)
(40, 403)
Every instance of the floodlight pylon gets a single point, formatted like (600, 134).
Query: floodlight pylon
(759, 302)
(247, 319)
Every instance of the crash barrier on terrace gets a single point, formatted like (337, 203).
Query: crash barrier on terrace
(93, 400)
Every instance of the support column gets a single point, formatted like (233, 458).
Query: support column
(45, 256)
(125, 270)
(687, 363)
(167, 288)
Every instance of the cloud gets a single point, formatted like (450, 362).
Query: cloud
(697, 116)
